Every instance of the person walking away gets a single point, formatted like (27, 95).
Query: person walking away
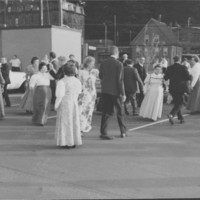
(152, 103)
(54, 62)
(15, 63)
(124, 58)
(42, 95)
(6, 75)
(27, 99)
(2, 111)
(178, 77)
(142, 72)
(131, 81)
(194, 98)
(67, 131)
(113, 93)
(88, 95)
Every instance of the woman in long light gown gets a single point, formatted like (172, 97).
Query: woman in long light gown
(67, 131)
(153, 101)
(194, 98)
(27, 99)
(40, 83)
(87, 99)
(2, 82)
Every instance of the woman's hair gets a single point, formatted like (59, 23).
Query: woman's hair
(34, 59)
(195, 58)
(62, 59)
(69, 69)
(157, 66)
(87, 60)
(41, 65)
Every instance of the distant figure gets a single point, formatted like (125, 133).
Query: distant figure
(131, 81)
(113, 93)
(194, 97)
(54, 62)
(186, 63)
(88, 95)
(72, 58)
(15, 64)
(152, 103)
(27, 99)
(6, 75)
(164, 64)
(60, 73)
(67, 131)
(178, 76)
(142, 72)
(124, 58)
(40, 83)
(2, 82)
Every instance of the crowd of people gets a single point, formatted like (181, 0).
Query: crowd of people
(63, 85)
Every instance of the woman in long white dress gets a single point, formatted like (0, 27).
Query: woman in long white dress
(194, 98)
(152, 103)
(68, 132)
(87, 99)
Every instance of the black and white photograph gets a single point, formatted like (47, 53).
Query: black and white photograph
(99, 99)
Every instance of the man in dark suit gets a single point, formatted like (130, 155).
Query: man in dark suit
(113, 94)
(54, 62)
(5, 73)
(131, 79)
(142, 72)
(178, 76)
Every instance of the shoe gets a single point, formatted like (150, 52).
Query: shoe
(171, 120)
(135, 114)
(8, 106)
(106, 137)
(123, 135)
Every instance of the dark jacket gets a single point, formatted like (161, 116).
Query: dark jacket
(141, 71)
(131, 77)
(112, 77)
(55, 64)
(176, 74)
(5, 72)
(59, 75)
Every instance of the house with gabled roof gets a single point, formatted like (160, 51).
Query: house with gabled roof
(154, 41)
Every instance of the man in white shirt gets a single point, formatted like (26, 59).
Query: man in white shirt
(15, 64)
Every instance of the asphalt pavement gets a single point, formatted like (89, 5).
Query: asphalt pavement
(156, 160)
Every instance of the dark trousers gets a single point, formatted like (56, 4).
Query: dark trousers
(5, 95)
(15, 69)
(130, 97)
(109, 102)
(139, 97)
(178, 104)
(53, 91)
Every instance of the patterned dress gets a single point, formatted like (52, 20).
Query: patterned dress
(67, 131)
(87, 98)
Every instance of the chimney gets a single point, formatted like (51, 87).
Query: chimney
(189, 19)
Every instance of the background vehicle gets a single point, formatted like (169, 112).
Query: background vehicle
(18, 81)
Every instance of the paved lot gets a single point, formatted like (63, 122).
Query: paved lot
(156, 161)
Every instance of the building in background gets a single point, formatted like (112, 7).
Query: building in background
(154, 41)
(36, 27)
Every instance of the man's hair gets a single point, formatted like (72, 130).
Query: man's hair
(52, 54)
(176, 58)
(113, 50)
(128, 62)
(71, 55)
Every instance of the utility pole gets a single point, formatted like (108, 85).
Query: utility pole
(115, 30)
(106, 31)
(5, 13)
(60, 13)
(41, 13)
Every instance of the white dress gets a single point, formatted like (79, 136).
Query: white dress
(68, 121)
(152, 103)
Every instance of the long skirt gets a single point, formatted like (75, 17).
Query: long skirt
(41, 104)
(27, 100)
(194, 98)
(153, 103)
(67, 132)
(2, 112)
